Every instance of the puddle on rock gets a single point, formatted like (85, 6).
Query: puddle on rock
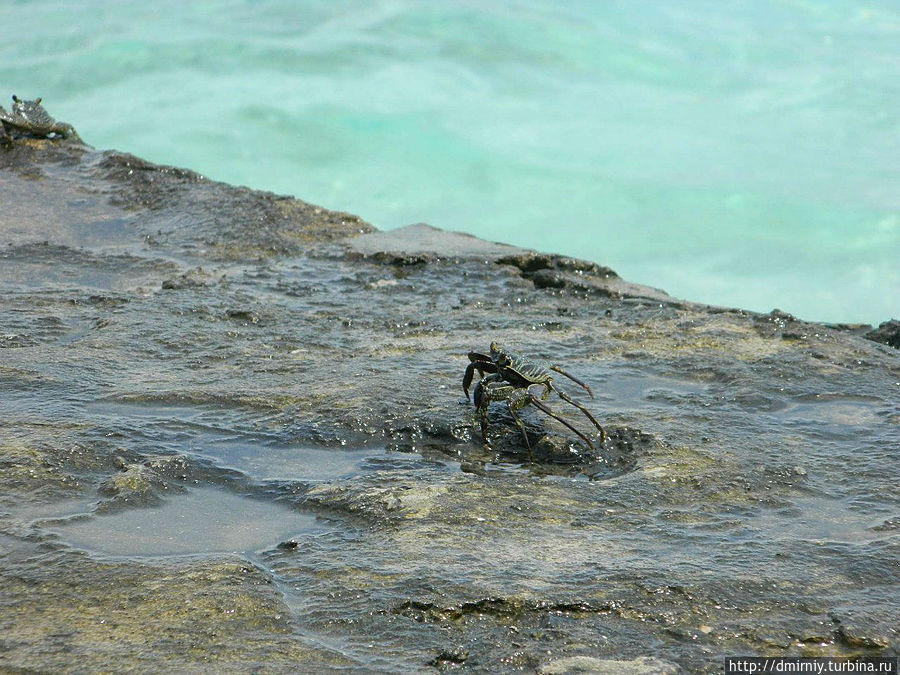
(819, 520)
(646, 391)
(244, 441)
(269, 462)
(835, 409)
(203, 521)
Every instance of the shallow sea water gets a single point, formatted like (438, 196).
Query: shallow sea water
(742, 154)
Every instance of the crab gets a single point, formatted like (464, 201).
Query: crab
(510, 378)
(31, 117)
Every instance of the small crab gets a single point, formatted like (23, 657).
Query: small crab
(30, 117)
(510, 378)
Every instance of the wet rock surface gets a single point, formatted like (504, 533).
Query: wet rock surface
(887, 333)
(170, 345)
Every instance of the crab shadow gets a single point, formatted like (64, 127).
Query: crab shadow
(557, 454)
(552, 451)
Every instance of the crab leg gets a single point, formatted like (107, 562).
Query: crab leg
(512, 406)
(541, 406)
(487, 390)
(565, 397)
(482, 364)
(574, 379)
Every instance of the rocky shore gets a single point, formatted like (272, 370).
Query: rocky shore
(283, 384)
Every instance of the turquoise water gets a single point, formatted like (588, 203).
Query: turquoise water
(738, 153)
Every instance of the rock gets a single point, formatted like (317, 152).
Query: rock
(887, 333)
(454, 657)
(423, 242)
(560, 272)
(163, 333)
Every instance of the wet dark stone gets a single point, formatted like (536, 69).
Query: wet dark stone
(453, 657)
(499, 608)
(547, 271)
(887, 333)
(243, 315)
(551, 271)
(865, 633)
(13, 340)
(387, 258)
(196, 278)
(530, 263)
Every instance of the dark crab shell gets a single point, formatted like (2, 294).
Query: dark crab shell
(31, 117)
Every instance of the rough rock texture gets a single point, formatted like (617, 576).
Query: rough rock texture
(165, 339)
(887, 333)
